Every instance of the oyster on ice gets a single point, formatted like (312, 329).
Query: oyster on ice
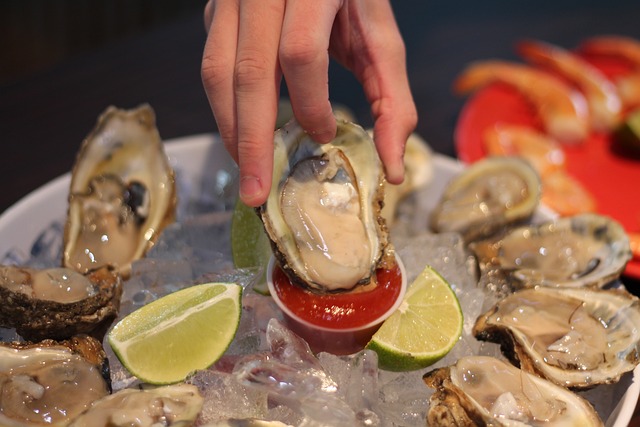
(122, 192)
(574, 337)
(323, 213)
(49, 382)
(481, 390)
(489, 195)
(58, 303)
(172, 405)
(583, 250)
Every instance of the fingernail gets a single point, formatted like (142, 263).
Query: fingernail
(250, 189)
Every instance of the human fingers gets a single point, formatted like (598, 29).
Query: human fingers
(218, 64)
(256, 94)
(304, 59)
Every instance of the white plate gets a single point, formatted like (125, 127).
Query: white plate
(195, 157)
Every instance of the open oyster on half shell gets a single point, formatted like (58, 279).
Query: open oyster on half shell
(488, 196)
(484, 391)
(323, 213)
(582, 250)
(574, 337)
(122, 192)
(58, 303)
(49, 382)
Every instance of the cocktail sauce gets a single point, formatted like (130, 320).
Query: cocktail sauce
(340, 310)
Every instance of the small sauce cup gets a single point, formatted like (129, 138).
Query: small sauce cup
(341, 323)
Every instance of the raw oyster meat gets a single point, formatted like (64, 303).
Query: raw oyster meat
(122, 192)
(574, 337)
(323, 213)
(50, 383)
(582, 250)
(58, 303)
(173, 405)
(489, 195)
(481, 390)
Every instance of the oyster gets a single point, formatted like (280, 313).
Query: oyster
(583, 250)
(323, 213)
(58, 303)
(173, 405)
(487, 196)
(50, 383)
(574, 337)
(481, 390)
(122, 192)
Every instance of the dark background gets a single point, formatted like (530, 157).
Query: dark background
(63, 62)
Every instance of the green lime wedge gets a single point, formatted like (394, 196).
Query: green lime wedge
(173, 336)
(250, 245)
(424, 329)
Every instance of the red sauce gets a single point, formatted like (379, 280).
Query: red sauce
(343, 310)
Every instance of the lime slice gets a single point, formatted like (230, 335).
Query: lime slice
(167, 339)
(425, 327)
(250, 245)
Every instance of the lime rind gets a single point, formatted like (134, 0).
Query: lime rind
(413, 337)
(151, 343)
(250, 246)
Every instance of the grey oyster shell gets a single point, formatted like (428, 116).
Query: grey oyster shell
(574, 337)
(53, 313)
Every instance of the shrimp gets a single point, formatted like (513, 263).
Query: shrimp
(634, 239)
(562, 110)
(601, 94)
(566, 195)
(627, 49)
(542, 151)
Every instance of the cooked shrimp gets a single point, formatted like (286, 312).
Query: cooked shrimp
(634, 239)
(561, 109)
(566, 195)
(601, 94)
(542, 151)
(627, 49)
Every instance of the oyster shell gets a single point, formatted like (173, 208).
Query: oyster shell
(487, 196)
(122, 192)
(574, 337)
(583, 250)
(480, 390)
(323, 213)
(58, 303)
(49, 382)
(173, 405)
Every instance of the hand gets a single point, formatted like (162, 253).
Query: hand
(253, 44)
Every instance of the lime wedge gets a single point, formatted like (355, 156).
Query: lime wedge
(167, 339)
(250, 245)
(424, 329)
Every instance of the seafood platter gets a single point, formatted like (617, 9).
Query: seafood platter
(546, 318)
(571, 111)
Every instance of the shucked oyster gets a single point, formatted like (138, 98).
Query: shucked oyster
(480, 390)
(583, 250)
(323, 213)
(122, 192)
(489, 195)
(574, 337)
(58, 303)
(173, 405)
(49, 382)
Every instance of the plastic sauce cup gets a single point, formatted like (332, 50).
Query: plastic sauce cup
(340, 335)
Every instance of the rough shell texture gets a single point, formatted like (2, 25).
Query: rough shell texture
(581, 250)
(37, 319)
(574, 337)
(323, 187)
